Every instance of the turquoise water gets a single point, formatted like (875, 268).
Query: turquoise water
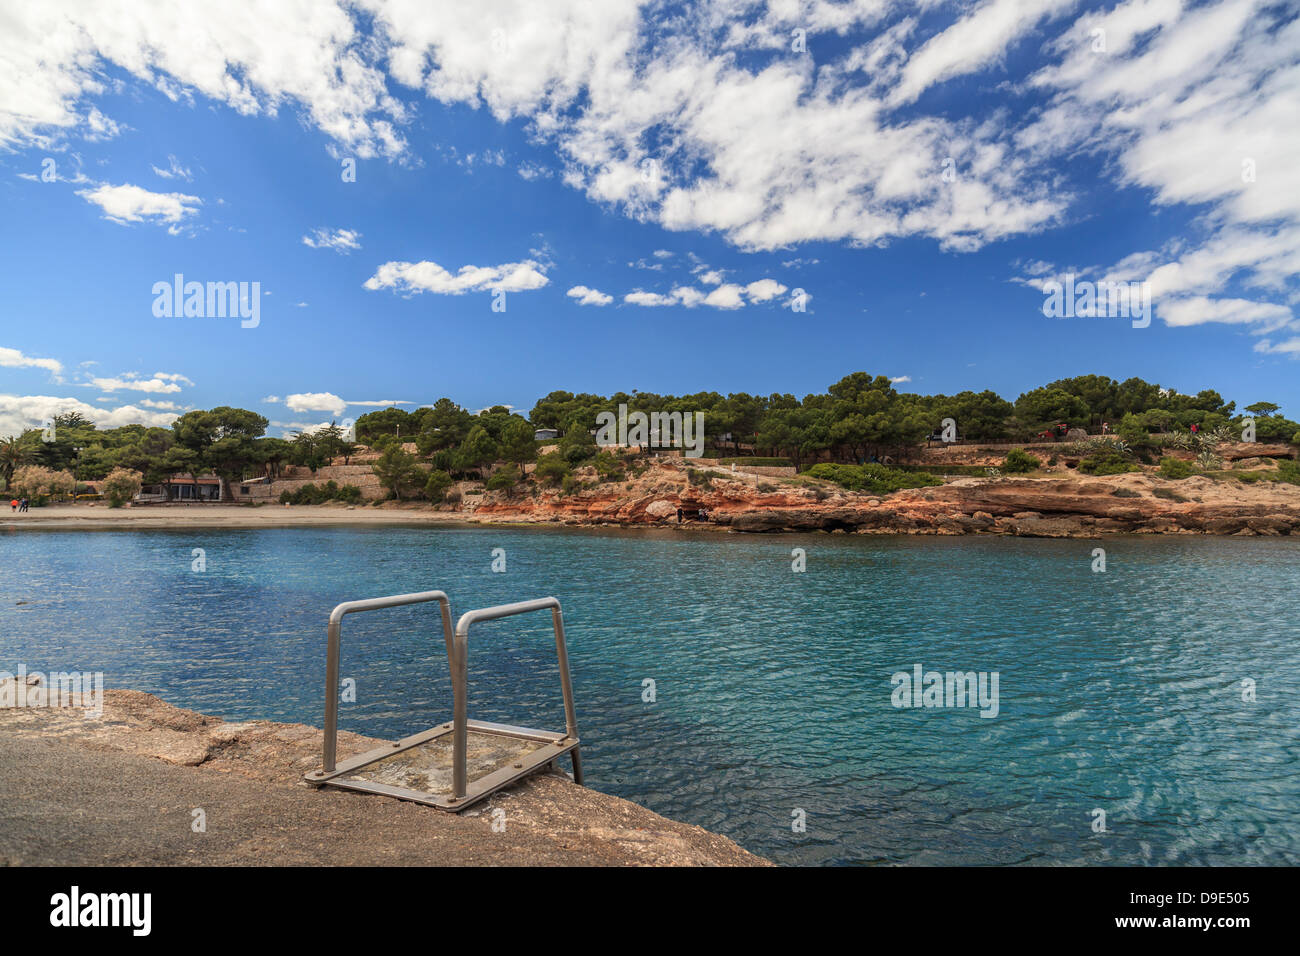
(1118, 691)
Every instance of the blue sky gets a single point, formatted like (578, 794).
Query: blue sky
(683, 170)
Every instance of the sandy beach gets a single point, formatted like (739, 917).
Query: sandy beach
(97, 516)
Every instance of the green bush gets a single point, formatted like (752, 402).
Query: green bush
(1288, 471)
(608, 467)
(700, 479)
(504, 478)
(1175, 468)
(872, 478)
(551, 469)
(1106, 461)
(1020, 461)
(435, 488)
(1168, 493)
(311, 494)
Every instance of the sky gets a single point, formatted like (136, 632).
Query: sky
(495, 200)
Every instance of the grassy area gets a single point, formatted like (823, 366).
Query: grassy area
(876, 479)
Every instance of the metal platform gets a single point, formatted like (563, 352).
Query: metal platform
(458, 763)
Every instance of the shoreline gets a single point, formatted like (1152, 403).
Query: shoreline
(124, 789)
(1052, 508)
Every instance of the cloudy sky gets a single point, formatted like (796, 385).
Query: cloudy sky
(493, 200)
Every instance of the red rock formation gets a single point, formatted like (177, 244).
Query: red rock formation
(1038, 507)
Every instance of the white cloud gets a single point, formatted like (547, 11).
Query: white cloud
(272, 399)
(316, 402)
(12, 358)
(983, 35)
(161, 383)
(174, 170)
(127, 203)
(534, 171)
(1197, 310)
(586, 296)
(708, 121)
(648, 299)
(662, 120)
(764, 290)
(162, 406)
(1290, 347)
(725, 296)
(21, 412)
(340, 240)
(900, 379)
(412, 277)
(254, 57)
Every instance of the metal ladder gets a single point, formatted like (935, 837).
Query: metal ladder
(412, 768)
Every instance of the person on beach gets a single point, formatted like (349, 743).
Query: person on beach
(13, 505)
(22, 505)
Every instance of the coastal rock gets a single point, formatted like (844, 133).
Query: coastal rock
(58, 770)
(1048, 528)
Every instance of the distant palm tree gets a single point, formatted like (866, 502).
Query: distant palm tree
(12, 456)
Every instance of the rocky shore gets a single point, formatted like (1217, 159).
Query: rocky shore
(1063, 503)
(124, 789)
(1066, 505)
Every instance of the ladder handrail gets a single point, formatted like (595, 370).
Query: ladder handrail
(460, 681)
(336, 640)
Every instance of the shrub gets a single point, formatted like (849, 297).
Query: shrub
(1295, 439)
(1288, 471)
(608, 467)
(700, 479)
(1168, 493)
(397, 470)
(1126, 493)
(121, 486)
(435, 488)
(569, 484)
(38, 483)
(551, 469)
(312, 494)
(1106, 461)
(504, 478)
(1020, 461)
(873, 478)
(1175, 468)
